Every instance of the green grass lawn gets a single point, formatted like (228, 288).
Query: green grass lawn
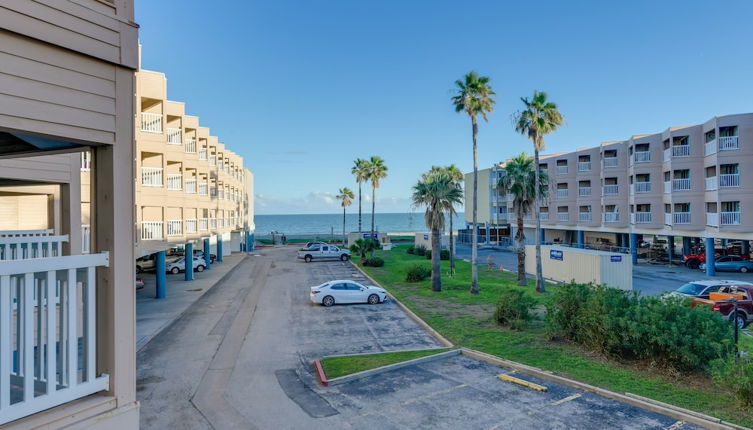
(340, 366)
(466, 320)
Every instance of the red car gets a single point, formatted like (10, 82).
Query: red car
(692, 261)
(720, 302)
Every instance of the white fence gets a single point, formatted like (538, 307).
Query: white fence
(611, 162)
(151, 122)
(727, 143)
(562, 170)
(611, 217)
(25, 247)
(729, 180)
(174, 227)
(151, 230)
(643, 187)
(681, 151)
(641, 217)
(681, 217)
(642, 156)
(712, 219)
(562, 193)
(585, 217)
(711, 184)
(709, 148)
(584, 191)
(681, 184)
(174, 181)
(174, 136)
(611, 189)
(203, 224)
(202, 154)
(203, 189)
(190, 226)
(190, 146)
(191, 186)
(48, 311)
(151, 176)
(584, 166)
(730, 218)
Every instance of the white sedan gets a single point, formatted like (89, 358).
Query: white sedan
(333, 292)
(179, 265)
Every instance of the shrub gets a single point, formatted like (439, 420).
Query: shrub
(417, 273)
(444, 254)
(420, 250)
(373, 262)
(428, 254)
(514, 309)
(736, 375)
(411, 249)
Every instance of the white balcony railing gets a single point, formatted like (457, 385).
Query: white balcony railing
(611, 217)
(681, 218)
(174, 136)
(16, 247)
(190, 146)
(563, 216)
(191, 226)
(48, 324)
(562, 193)
(203, 189)
(562, 170)
(728, 143)
(712, 219)
(202, 154)
(544, 216)
(212, 223)
(191, 186)
(151, 176)
(585, 216)
(668, 219)
(711, 183)
(611, 162)
(641, 217)
(212, 160)
(642, 156)
(667, 187)
(729, 180)
(709, 148)
(174, 181)
(174, 227)
(642, 187)
(584, 166)
(86, 238)
(730, 218)
(681, 184)
(151, 230)
(667, 155)
(681, 151)
(611, 189)
(151, 122)
(584, 191)
(203, 224)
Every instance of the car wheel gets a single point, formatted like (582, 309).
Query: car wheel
(139, 269)
(373, 299)
(740, 320)
(174, 270)
(328, 301)
(743, 269)
(200, 268)
(308, 259)
(692, 264)
(344, 257)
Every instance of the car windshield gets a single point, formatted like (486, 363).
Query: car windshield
(691, 289)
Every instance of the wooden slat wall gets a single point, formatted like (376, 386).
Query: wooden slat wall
(24, 212)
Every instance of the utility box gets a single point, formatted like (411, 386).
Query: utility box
(381, 237)
(424, 239)
(565, 264)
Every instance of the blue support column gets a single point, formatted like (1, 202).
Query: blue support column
(161, 272)
(710, 267)
(249, 242)
(685, 245)
(488, 233)
(581, 238)
(207, 257)
(745, 247)
(219, 249)
(543, 235)
(626, 240)
(189, 261)
(670, 248)
(634, 247)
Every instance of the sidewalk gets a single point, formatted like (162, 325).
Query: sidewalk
(153, 315)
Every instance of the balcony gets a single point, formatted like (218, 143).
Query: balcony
(212, 160)
(585, 217)
(711, 183)
(203, 224)
(203, 187)
(584, 166)
(151, 230)
(728, 143)
(611, 217)
(681, 151)
(712, 219)
(667, 187)
(202, 154)
(212, 223)
(667, 155)
(709, 148)
(729, 180)
(191, 186)
(151, 122)
(563, 216)
(668, 219)
(641, 217)
(562, 170)
(730, 218)
(642, 187)
(544, 216)
(642, 156)
(562, 193)
(21, 246)
(584, 191)
(48, 323)
(151, 176)
(611, 189)
(174, 136)
(681, 218)
(190, 226)
(190, 146)
(174, 227)
(611, 162)
(681, 184)
(174, 181)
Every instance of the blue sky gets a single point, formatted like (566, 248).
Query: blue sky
(301, 88)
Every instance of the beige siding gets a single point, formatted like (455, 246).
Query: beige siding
(24, 212)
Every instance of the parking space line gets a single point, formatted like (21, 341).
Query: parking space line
(566, 399)
(434, 394)
(675, 426)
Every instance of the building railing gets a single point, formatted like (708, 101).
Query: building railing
(26, 233)
(26, 247)
(585, 217)
(220, 222)
(203, 187)
(712, 219)
(174, 181)
(562, 193)
(544, 216)
(151, 122)
(174, 227)
(667, 187)
(86, 238)
(191, 186)
(728, 180)
(151, 230)
(709, 148)
(212, 223)
(681, 184)
(641, 217)
(212, 160)
(584, 166)
(668, 219)
(190, 226)
(562, 170)
(728, 143)
(151, 176)
(681, 218)
(711, 183)
(174, 136)
(190, 146)
(563, 216)
(611, 189)
(730, 218)
(611, 161)
(202, 154)
(667, 155)
(611, 216)
(203, 224)
(642, 156)
(642, 187)
(48, 325)
(681, 151)
(584, 191)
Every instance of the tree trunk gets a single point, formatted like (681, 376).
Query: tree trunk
(373, 205)
(359, 208)
(474, 236)
(452, 250)
(436, 270)
(520, 237)
(343, 226)
(537, 191)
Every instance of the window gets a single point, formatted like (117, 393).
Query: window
(730, 206)
(728, 131)
(729, 169)
(710, 135)
(339, 287)
(354, 287)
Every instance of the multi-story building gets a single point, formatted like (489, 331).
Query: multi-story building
(67, 320)
(492, 207)
(685, 181)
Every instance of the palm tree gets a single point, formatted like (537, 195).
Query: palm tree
(362, 247)
(377, 171)
(456, 176)
(519, 180)
(539, 118)
(360, 170)
(437, 191)
(346, 196)
(474, 97)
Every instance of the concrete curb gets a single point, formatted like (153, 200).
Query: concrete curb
(320, 372)
(390, 367)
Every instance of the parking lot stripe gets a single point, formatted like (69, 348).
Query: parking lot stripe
(514, 380)
(434, 394)
(566, 399)
(675, 426)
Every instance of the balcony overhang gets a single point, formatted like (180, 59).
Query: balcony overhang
(17, 144)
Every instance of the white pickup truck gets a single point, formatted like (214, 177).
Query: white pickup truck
(322, 251)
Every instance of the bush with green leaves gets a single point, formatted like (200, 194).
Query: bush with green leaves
(411, 249)
(444, 254)
(420, 250)
(622, 324)
(514, 309)
(373, 262)
(428, 254)
(417, 273)
(737, 375)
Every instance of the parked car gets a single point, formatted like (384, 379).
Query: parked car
(730, 263)
(693, 261)
(179, 265)
(341, 292)
(200, 254)
(147, 263)
(139, 283)
(702, 289)
(323, 251)
(721, 302)
(312, 244)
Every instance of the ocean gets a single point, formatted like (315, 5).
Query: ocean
(325, 223)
